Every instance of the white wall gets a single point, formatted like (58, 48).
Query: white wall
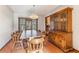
(6, 19)
(76, 27)
(41, 23)
(75, 23)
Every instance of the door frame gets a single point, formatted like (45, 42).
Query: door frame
(25, 23)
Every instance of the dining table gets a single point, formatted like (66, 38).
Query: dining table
(29, 34)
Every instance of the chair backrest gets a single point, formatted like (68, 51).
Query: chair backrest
(15, 36)
(36, 44)
(18, 34)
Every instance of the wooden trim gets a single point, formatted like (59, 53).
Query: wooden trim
(61, 11)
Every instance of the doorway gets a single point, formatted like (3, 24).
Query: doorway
(28, 26)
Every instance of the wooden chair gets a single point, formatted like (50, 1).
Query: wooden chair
(16, 36)
(44, 34)
(36, 45)
(26, 45)
(17, 43)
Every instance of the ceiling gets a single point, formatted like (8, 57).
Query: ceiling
(38, 9)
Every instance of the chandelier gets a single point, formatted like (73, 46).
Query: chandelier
(33, 15)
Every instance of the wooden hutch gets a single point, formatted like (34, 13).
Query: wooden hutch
(60, 32)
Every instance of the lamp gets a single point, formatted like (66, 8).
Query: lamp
(34, 16)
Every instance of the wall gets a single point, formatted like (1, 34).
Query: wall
(75, 23)
(41, 23)
(76, 27)
(6, 24)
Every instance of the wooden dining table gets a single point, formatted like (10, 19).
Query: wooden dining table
(30, 33)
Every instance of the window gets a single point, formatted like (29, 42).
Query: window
(29, 26)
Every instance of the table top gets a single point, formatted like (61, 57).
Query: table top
(29, 33)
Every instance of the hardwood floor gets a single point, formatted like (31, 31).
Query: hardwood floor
(48, 48)
(7, 48)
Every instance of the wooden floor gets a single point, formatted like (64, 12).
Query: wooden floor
(48, 48)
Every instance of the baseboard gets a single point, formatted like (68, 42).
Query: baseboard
(5, 44)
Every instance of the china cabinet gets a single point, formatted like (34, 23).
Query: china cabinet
(61, 26)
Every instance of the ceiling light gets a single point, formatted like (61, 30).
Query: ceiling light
(34, 15)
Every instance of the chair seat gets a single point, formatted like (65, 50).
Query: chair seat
(36, 45)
